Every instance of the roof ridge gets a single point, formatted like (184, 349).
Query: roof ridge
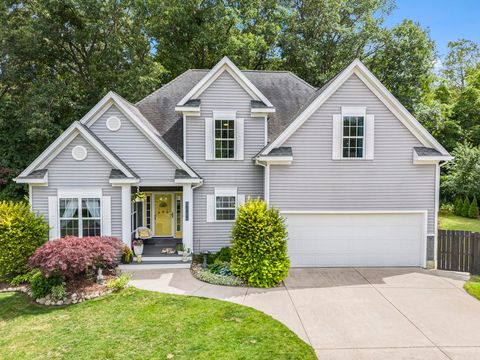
(162, 87)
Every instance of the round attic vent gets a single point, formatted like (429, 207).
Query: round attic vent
(113, 123)
(79, 153)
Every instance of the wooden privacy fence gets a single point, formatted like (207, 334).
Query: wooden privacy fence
(459, 251)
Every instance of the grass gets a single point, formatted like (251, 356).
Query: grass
(473, 286)
(453, 222)
(137, 324)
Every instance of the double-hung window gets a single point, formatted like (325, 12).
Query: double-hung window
(80, 217)
(224, 139)
(225, 208)
(353, 136)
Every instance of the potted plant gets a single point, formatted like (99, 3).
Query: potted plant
(180, 249)
(186, 255)
(138, 249)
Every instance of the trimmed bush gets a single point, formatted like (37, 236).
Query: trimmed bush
(259, 245)
(473, 210)
(72, 256)
(119, 283)
(21, 233)
(458, 206)
(465, 208)
(224, 255)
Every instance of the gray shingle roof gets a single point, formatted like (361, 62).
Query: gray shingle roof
(281, 151)
(425, 151)
(283, 89)
(117, 174)
(182, 174)
(36, 174)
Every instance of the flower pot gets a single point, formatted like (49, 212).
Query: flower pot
(138, 250)
(179, 252)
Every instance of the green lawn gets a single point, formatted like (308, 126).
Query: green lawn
(473, 286)
(137, 324)
(453, 222)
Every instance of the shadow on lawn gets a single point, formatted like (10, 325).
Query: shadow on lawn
(17, 304)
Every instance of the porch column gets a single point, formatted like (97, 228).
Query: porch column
(188, 216)
(126, 214)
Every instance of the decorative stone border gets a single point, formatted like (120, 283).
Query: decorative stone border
(74, 298)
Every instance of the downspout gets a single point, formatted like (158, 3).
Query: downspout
(266, 180)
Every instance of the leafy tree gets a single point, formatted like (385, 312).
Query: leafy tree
(463, 55)
(463, 172)
(404, 61)
(466, 207)
(473, 210)
(323, 36)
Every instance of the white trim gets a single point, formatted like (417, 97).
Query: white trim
(63, 140)
(184, 137)
(265, 141)
(225, 65)
(417, 159)
(126, 215)
(139, 121)
(30, 200)
(187, 226)
(106, 215)
(423, 250)
(73, 193)
(79, 157)
(357, 67)
(189, 181)
(123, 181)
(42, 181)
(267, 184)
(53, 218)
(275, 160)
(191, 110)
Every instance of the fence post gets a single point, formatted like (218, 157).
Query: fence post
(476, 254)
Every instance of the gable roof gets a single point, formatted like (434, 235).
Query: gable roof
(63, 140)
(224, 65)
(137, 118)
(285, 90)
(322, 94)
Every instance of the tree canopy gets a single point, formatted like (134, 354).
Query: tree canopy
(58, 58)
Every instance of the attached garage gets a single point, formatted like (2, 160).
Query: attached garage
(327, 239)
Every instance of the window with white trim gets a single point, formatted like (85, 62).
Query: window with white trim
(224, 139)
(225, 208)
(353, 132)
(80, 217)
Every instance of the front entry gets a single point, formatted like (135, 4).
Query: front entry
(163, 214)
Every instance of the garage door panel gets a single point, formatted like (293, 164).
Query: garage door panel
(356, 239)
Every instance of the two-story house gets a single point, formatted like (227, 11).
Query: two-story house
(352, 171)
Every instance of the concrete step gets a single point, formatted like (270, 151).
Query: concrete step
(148, 259)
(151, 265)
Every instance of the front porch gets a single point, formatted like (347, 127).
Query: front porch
(160, 216)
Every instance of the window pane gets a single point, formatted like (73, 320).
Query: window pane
(91, 227)
(91, 208)
(225, 214)
(224, 139)
(69, 208)
(68, 227)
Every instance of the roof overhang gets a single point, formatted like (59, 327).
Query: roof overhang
(224, 65)
(274, 160)
(42, 179)
(418, 159)
(124, 181)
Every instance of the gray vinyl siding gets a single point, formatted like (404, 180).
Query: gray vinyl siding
(389, 182)
(224, 94)
(66, 173)
(135, 149)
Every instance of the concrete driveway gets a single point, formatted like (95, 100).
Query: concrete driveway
(356, 313)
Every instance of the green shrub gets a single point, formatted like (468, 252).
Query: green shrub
(473, 210)
(220, 268)
(465, 208)
(259, 245)
(24, 278)
(21, 233)
(458, 207)
(58, 292)
(42, 286)
(119, 283)
(447, 208)
(223, 255)
(216, 279)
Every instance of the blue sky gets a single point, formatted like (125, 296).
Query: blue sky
(447, 20)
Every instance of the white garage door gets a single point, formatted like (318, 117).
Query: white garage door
(356, 239)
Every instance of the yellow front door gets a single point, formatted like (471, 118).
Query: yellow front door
(163, 214)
